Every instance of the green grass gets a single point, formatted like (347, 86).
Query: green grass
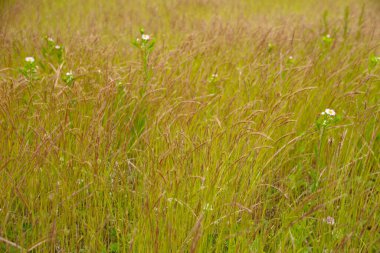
(154, 152)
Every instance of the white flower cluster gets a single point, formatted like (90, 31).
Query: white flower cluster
(145, 37)
(29, 59)
(52, 42)
(329, 220)
(329, 112)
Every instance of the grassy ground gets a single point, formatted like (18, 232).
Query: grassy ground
(210, 140)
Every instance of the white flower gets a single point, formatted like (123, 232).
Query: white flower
(329, 220)
(291, 59)
(145, 37)
(328, 36)
(323, 113)
(57, 47)
(29, 59)
(214, 76)
(330, 112)
(50, 39)
(70, 73)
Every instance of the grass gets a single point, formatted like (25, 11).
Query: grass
(213, 141)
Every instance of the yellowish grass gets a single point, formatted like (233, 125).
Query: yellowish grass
(187, 160)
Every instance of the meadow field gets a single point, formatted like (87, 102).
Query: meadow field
(189, 126)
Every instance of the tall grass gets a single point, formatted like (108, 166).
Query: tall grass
(213, 142)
